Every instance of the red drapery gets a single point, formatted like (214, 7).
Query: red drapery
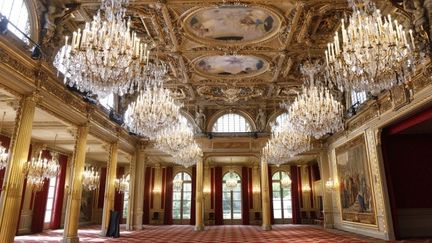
(299, 189)
(245, 196)
(295, 195)
(212, 188)
(168, 219)
(147, 194)
(270, 184)
(5, 142)
(119, 196)
(250, 188)
(59, 193)
(163, 189)
(40, 202)
(152, 182)
(311, 186)
(102, 181)
(218, 196)
(192, 219)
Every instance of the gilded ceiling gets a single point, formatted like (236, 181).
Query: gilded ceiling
(227, 53)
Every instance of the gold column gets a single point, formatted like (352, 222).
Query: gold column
(70, 233)
(10, 200)
(109, 187)
(199, 225)
(131, 194)
(327, 194)
(265, 196)
(139, 187)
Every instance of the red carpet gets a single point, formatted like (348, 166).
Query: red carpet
(185, 233)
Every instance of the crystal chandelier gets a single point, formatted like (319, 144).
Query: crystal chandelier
(331, 185)
(90, 179)
(106, 56)
(153, 111)
(286, 182)
(122, 184)
(371, 54)
(275, 153)
(188, 156)
(314, 112)
(175, 138)
(231, 183)
(177, 184)
(292, 141)
(39, 169)
(4, 155)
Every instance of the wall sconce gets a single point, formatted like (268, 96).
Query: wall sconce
(306, 188)
(206, 190)
(157, 190)
(256, 189)
(331, 185)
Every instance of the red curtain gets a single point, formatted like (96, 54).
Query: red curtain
(147, 194)
(218, 196)
(270, 183)
(295, 195)
(311, 186)
(299, 189)
(40, 202)
(245, 196)
(212, 187)
(102, 181)
(163, 189)
(168, 219)
(119, 196)
(59, 193)
(250, 188)
(152, 181)
(5, 142)
(192, 219)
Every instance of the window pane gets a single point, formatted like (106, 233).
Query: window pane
(237, 215)
(176, 205)
(187, 187)
(277, 204)
(47, 218)
(276, 186)
(277, 214)
(231, 123)
(276, 176)
(287, 213)
(236, 195)
(237, 205)
(176, 214)
(16, 12)
(186, 177)
(49, 203)
(276, 194)
(176, 195)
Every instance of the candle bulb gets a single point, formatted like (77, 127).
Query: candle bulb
(412, 38)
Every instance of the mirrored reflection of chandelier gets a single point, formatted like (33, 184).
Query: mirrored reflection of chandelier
(153, 111)
(90, 179)
(177, 184)
(372, 53)
(106, 56)
(4, 155)
(286, 182)
(38, 169)
(231, 183)
(315, 112)
(122, 184)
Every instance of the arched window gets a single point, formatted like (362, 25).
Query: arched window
(182, 196)
(17, 13)
(231, 123)
(280, 120)
(282, 207)
(231, 199)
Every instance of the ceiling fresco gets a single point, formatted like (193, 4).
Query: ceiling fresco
(221, 54)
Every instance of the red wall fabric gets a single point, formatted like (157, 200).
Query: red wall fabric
(168, 219)
(59, 193)
(245, 196)
(410, 122)
(295, 195)
(250, 188)
(316, 172)
(212, 188)
(218, 196)
(119, 196)
(40, 202)
(102, 182)
(270, 183)
(147, 194)
(5, 141)
(311, 186)
(193, 197)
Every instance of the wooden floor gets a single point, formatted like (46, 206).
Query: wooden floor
(227, 233)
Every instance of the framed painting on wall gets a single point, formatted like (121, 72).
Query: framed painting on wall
(355, 185)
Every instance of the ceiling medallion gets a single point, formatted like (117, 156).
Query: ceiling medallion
(229, 24)
(230, 66)
(230, 94)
